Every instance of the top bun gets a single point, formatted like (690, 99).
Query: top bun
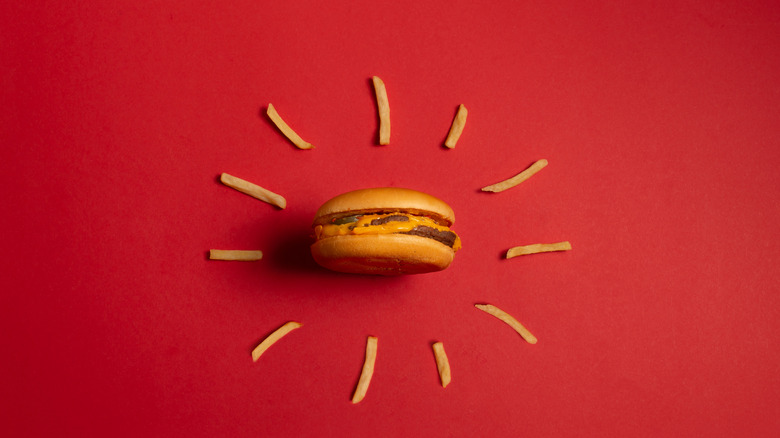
(385, 199)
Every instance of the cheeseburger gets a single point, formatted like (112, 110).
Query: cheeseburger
(384, 231)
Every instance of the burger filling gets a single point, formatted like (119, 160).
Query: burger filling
(388, 223)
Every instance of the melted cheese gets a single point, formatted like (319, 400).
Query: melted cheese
(363, 226)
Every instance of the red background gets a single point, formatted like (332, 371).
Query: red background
(659, 120)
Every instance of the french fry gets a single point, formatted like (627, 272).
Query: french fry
(383, 108)
(517, 179)
(367, 372)
(253, 190)
(273, 337)
(508, 319)
(457, 127)
(536, 248)
(235, 254)
(286, 130)
(442, 364)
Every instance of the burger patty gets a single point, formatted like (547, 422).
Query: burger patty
(445, 237)
(391, 218)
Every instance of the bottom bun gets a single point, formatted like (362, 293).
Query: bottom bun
(382, 254)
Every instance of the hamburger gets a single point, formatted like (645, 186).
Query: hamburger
(384, 231)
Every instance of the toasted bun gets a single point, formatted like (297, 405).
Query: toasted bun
(386, 199)
(382, 254)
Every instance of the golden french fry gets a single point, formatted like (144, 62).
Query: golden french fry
(235, 254)
(273, 337)
(383, 108)
(517, 179)
(253, 190)
(457, 127)
(442, 364)
(536, 248)
(286, 130)
(508, 319)
(367, 372)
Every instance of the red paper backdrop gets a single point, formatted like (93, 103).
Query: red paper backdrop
(660, 123)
